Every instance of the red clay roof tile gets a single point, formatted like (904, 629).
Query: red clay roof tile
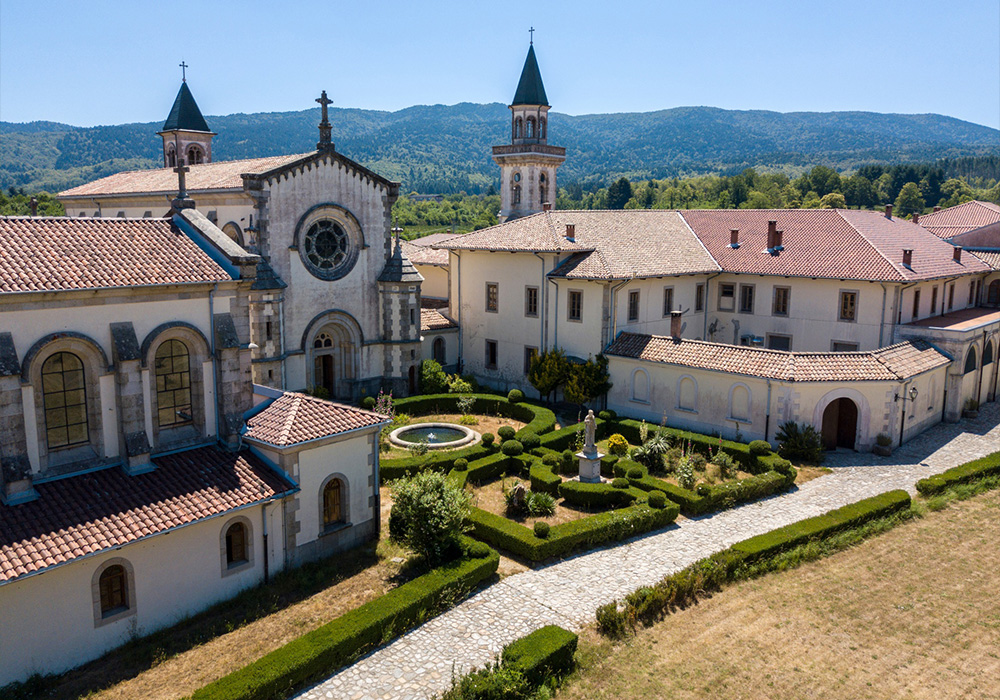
(293, 418)
(961, 218)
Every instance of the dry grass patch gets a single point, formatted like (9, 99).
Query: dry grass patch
(910, 614)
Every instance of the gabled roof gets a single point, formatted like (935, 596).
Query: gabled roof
(434, 320)
(44, 254)
(990, 257)
(95, 512)
(185, 115)
(892, 363)
(961, 218)
(294, 418)
(530, 90)
(424, 254)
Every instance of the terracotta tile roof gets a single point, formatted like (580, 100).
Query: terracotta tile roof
(293, 418)
(609, 244)
(829, 243)
(221, 175)
(961, 218)
(424, 255)
(95, 512)
(892, 363)
(434, 238)
(60, 253)
(434, 320)
(990, 257)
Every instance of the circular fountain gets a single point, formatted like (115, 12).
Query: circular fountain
(438, 436)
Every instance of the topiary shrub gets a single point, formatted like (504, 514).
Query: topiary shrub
(618, 445)
(800, 442)
(530, 441)
(515, 396)
(368, 403)
(541, 530)
(657, 499)
(506, 433)
(550, 460)
(429, 514)
(759, 448)
(620, 483)
(512, 448)
(634, 472)
(607, 415)
(461, 464)
(476, 550)
(488, 439)
(568, 459)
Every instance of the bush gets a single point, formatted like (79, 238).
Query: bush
(368, 403)
(542, 654)
(433, 379)
(883, 440)
(611, 622)
(618, 445)
(634, 472)
(541, 504)
(529, 441)
(685, 473)
(487, 439)
(551, 460)
(799, 442)
(512, 448)
(607, 415)
(506, 433)
(698, 462)
(541, 529)
(476, 550)
(461, 464)
(657, 499)
(759, 448)
(543, 480)
(419, 449)
(595, 495)
(568, 460)
(725, 463)
(429, 513)
(962, 474)
(620, 483)
(515, 396)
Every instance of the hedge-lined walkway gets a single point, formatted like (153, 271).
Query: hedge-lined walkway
(568, 593)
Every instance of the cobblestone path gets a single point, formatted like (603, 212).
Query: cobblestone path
(420, 664)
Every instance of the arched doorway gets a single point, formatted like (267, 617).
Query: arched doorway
(334, 360)
(840, 424)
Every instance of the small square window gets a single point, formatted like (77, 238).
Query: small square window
(492, 297)
(575, 309)
(529, 354)
(848, 306)
(843, 346)
(633, 305)
(727, 297)
(779, 342)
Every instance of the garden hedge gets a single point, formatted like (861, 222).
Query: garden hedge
(849, 516)
(597, 495)
(564, 538)
(543, 653)
(962, 474)
(702, 444)
(318, 654)
(565, 438)
(543, 479)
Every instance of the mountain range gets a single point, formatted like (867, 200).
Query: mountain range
(446, 149)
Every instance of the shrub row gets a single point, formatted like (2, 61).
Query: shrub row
(702, 444)
(602, 495)
(544, 653)
(849, 516)
(319, 653)
(538, 419)
(543, 479)
(565, 438)
(711, 498)
(402, 467)
(962, 474)
(564, 538)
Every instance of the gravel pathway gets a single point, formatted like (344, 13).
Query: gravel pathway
(421, 663)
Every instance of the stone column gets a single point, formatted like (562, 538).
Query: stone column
(130, 397)
(15, 467)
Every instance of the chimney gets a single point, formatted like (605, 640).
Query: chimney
(937, 209)
(888, 211)
(571, 231)
(916, 218)
(734, 238)
(779, 236)
(772, 231)
(907, 257)
(675, 324)
(957, 255)
(546, 206)
(34, 206)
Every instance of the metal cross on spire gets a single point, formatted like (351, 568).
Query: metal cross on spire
(325, 141)
(184, 68)
(531, 33)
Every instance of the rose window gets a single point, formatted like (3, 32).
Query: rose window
(327, 246)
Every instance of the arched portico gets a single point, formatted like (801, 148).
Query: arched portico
(333, 344)
(836, 423)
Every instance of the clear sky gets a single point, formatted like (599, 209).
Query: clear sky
(116, 61)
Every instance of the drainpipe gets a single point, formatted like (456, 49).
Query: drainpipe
(881, 325)
(458, 286)
(704, 308)
(614, 308)
(284, 347)
(542, 292)
(263, 520)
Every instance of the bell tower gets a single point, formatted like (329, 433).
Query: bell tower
(187, 140)
(528, 165)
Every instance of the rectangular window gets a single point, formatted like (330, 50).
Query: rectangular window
(574, 310)
(529, 354)
(668, 301)
(633, 305)
(779, 342)
(746, 298)
(951, 297)
(267, 330)
(699, 297)
(491, 354)
(916, 304)
(972, 292)
(531, 301)
(492, 297)
(842, 346)
(933, 300)
(413, 316)
(779, 306)
(848, 306)
(727, 297)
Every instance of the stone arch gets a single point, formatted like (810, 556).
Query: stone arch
(864, 412)
(36, 348)
(640, 385)
(687, 393)
(345, 503)
(740, 398)
(234, 231)
(235, 566)
(101, 617)
(971, 364)
(199, 352)
(988, 353)
(332, 343)
(195, 154)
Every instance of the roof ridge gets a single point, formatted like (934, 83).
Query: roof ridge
(293, 410)
(896, 268)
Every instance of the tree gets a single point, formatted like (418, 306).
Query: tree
(548, 370)
(955, 191)
(833, 200)
(909, 200)
(428, 514)
(433, 379)
(619, 193)
(859, 191)
(587, 381)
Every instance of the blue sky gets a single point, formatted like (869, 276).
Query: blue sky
(113, 61)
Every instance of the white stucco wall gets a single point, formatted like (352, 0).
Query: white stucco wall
(435, 284)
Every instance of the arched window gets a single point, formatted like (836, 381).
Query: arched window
(530, 133)
(171, 157)
(232, 230)
(640, 385)
(543, 188)
(993, 293)
(113, 585)
(687, 394)
(64, 396)
(236, 545)
(541, 128)
(518, 127)
(195, 155)
(739, 403)
(439, 350)
(173, 384)
(970, 361)
(988, 354)
(333, 511)
(323, 340)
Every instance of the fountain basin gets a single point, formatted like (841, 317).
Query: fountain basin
(439, 436)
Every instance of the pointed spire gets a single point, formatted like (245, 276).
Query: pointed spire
(185, 115)
(530, 90)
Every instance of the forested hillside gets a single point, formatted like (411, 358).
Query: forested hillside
(447, 148)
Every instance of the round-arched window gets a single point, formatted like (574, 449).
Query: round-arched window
(329, 246)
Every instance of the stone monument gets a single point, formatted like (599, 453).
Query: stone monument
(590, 458)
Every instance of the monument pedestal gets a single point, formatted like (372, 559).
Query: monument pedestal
(590, 466)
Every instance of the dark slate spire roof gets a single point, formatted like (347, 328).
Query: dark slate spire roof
(398, 268)
(185, 115)
(530, 90)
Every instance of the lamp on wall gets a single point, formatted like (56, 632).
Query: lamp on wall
(913, 394)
